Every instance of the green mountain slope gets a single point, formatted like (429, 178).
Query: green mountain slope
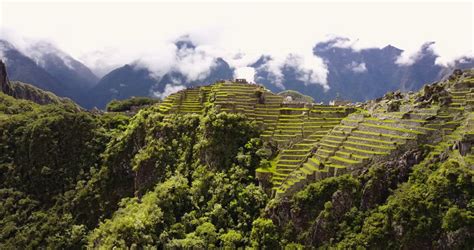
(234, 165)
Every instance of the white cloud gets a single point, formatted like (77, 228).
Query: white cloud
(169, 89)
(195, 64)
(409, 57)
(35, 48)
(114, 34)
(247, 73)
(104, 60)
(447, 61)
(310, 69)
(40, 49)
(357, 67)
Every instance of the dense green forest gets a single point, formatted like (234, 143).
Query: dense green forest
(169, 178)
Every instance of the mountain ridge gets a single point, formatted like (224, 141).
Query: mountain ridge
(367, 73)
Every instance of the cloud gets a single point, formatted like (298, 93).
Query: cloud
(194, 63)
(409, 57)
(103, 61)
(148, 32)
(247, 73)
(169, 89)
(310, 69)
(35, 48)
(357, 67)
(449, 61)
(38, 50)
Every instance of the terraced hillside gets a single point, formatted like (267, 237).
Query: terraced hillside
(314, 142)
(359, 139)
(285, 124)
(298, 131)
(364, 138)
(190, 101)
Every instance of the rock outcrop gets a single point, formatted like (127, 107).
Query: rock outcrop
(4, 83)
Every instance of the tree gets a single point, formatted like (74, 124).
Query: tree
(232, 239)
(264, 234)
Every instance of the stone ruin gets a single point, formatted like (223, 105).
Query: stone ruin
(241, 80)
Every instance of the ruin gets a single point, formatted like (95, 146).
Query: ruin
(240, 80)
(315, 141)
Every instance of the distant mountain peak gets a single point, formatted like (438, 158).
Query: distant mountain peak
(185, 42)
(5, 45)
(392, 48)
(44, 65)
(334, 42)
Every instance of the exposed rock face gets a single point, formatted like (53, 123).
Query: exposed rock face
(393, 106)
(465, 144)
(393, 172)
(323, 229)
(433, 93)
(455, 239)
(4, 83)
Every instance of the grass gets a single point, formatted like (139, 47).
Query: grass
(331, 141)
(336, 137)
(293, 150)
(383, 135)
(371, 140)
(345, 160)
(327, 145)
(352, 155)
(369, 145)
(364, 151)
(392, 128)
(333, 165)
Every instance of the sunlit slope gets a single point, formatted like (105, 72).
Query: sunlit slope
(313, 142)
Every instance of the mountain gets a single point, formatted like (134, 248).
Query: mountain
(23, 68)
(232, 165)
(48, 68)
(137, 80)
(62, 66)
(365, 74)
(354, 75)
(20, 90)
(220, 70)
(121, 83)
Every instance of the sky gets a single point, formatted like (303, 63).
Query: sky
(110, 34)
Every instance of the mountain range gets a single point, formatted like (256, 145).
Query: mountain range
(355, 75)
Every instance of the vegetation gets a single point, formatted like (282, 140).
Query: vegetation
(26, 91)
(128, 104)
(69, 178)
(430, 210)
(182, 174)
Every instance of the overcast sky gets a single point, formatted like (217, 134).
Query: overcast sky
(104, 35)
